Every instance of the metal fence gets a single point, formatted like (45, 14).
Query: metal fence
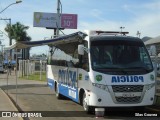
(28, 67)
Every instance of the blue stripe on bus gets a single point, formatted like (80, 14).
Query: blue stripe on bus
(51, 83)
(64, 90)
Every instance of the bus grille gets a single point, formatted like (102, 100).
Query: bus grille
(127, 88)
(128, 99)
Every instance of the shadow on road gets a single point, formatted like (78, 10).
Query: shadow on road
(5, 87)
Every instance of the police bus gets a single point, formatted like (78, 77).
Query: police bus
(100, 69)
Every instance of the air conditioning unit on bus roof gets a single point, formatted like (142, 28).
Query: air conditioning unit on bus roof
(100, 32)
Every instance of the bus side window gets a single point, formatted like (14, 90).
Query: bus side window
(82, 59)
(85, 62)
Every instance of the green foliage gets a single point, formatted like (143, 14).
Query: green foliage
(36, 76)
(18, 32)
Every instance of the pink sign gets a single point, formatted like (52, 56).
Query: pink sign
(69, 21)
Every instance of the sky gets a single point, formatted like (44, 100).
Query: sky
(107, 15)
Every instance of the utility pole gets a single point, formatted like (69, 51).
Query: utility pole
(58, 14)
(138, 34)
(10, 39)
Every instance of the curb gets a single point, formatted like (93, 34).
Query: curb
(11, 103)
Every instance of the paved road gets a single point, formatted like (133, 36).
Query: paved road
(35, 96)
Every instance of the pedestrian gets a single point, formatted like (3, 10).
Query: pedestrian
(9, 68)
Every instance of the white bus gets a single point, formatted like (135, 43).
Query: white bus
(101, 69)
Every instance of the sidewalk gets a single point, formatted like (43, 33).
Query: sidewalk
(6, 105)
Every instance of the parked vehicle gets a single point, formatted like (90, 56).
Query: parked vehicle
(100, 69)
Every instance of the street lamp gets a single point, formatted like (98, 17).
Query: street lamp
(17, 1)
(121, 28)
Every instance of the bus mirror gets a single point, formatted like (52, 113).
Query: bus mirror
(152, 50)
(81, 49)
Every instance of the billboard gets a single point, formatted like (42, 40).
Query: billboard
(69, 21)
(49, 20)
(45, 20)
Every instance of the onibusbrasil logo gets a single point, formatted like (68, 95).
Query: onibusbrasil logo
(37, 17)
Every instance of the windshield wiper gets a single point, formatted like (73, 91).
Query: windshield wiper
(113, 68)
(142, 68)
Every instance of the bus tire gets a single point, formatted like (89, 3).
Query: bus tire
(58, 95)
(86, 107)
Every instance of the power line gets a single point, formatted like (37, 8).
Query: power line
(4, 33)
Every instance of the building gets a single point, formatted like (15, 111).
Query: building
(155, 41)
(19, 52)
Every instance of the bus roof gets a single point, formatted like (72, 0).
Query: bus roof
(113, 37)
(100, 32)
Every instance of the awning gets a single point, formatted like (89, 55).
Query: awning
(57, 42)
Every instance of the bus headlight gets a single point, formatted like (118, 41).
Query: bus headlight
(101, 86)
(149, 86)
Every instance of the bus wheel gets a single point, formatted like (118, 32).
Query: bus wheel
(86, 107)
(58, 95)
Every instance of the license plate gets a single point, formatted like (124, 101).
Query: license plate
(128, 95)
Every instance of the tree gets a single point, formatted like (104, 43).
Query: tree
(18, 32)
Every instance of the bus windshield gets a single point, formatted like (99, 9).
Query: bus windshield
(120, 57)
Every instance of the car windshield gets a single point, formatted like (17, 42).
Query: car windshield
(122, 56)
